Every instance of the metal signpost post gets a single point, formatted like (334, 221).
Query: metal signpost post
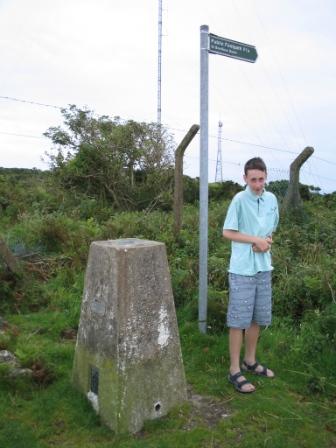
(210, 43)
(203, 197)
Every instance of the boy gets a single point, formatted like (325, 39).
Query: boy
(251, 219)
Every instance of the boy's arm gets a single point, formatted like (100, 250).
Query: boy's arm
(261, 244)
(269, 239)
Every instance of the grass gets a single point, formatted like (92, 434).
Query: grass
(296, 409)
(279, 414)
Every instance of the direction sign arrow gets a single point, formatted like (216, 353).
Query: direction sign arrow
(232, 48)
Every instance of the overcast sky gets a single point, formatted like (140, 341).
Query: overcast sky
(103, 54)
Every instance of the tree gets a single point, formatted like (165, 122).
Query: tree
(124, 162)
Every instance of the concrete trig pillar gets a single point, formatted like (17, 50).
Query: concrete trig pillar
(128, 358)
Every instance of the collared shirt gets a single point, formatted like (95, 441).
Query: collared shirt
(253, 215)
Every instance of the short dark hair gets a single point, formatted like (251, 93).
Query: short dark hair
(256, 163)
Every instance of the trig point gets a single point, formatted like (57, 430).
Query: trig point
(128, 358)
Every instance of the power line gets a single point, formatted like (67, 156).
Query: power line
(324, 160)
(270, 79)
(9, 98)
(282, 171)
(275, 60)
(167, 127)
(183, 130)
(261, 105)
(21, 135)
(241, 142)
(255, 144)
(278, 170)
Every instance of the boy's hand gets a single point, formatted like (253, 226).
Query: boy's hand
(262, 244)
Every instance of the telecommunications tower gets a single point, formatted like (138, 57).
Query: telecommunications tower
(219, 168)
(159, 63)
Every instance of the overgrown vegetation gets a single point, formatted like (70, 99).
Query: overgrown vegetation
(48, 220)
(126, 164)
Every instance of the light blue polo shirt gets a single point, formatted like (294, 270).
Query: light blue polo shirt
(253, 215)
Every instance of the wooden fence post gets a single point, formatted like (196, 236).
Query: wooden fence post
(292, 199)
(178, 176)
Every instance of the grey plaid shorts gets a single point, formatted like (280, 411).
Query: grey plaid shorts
(250, 300)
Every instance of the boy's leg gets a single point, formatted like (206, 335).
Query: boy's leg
(236, 339)
(239, 315)
(251, 340)
(262, 315)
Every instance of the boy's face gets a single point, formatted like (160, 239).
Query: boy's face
(256, 179)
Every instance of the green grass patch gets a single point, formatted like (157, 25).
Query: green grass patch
(50, 229)
(281, 413)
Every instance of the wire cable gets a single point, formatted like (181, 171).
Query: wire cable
(21, 135)
(9, 98)
(272, 148)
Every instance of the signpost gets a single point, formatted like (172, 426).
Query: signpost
(210, 43)
(232, 48)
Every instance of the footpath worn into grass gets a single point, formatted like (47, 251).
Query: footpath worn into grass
(48, 412)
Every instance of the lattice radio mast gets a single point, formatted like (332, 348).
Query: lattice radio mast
(219, 167)
(159, 63)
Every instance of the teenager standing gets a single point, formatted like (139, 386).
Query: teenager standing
(251, 219)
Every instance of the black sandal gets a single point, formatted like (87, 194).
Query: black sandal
(233, 379)
(253, 369)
